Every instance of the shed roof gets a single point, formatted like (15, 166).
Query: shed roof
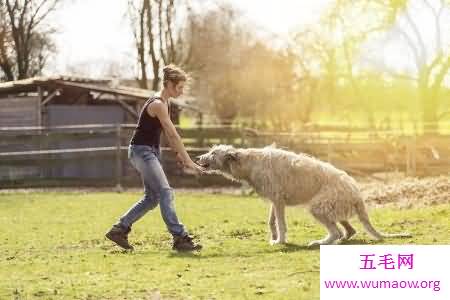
(103, 86)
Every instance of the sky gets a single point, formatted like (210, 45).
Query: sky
(96, 40)
(95, 37)
(89, 37)
(281, 16)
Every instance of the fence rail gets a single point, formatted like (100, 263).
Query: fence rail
(98, 153)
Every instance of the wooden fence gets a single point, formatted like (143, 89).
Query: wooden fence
(97, 154)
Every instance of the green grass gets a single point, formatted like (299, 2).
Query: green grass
(53, 248)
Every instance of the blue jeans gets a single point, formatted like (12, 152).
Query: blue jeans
(146, 159)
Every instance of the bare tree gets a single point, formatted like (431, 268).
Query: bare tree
(316, 63)
(432, 62)
(137, 16)
(6, 46)
(158, 40)
(24, 45)
(216, 58)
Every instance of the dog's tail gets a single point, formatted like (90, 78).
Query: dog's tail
(364, 218)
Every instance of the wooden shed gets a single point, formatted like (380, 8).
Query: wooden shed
(33, 111)
(63, 100)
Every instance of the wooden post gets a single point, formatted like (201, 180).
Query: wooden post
(42, 167)
(329, 150)
(118, 159)
(413, 155)
(39, 108)
(200, 119)
(411, 161)
(200, 135)
(408, 158)
(229, 135)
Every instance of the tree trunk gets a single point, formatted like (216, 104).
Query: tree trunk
(20, 19)
(151, 40)
(161, 26)
(141, 50)
(170, 47)
(5, 64)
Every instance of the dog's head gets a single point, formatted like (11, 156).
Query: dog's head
(219, 158)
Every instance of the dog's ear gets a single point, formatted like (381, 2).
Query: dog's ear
(272, 146)
(231, 156)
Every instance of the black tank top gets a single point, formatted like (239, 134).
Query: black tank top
(148, 129)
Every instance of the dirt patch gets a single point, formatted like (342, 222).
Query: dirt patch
(396, 189)
(408, 192)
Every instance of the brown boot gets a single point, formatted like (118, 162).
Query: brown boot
(185, 243)
(119, 235)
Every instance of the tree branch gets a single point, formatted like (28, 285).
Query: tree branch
(411, 45)
(441, 75)
(151, 41)
(423, 51)
(49, 10)
(160, 22)
(169, 14)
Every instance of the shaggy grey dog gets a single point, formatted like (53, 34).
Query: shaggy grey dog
(286, 178)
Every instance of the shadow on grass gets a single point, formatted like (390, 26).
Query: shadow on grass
(286, 248)
(255, 250)
(194, 255)
(350, 242)
(361, 242)
(249, 252)
(290, 247)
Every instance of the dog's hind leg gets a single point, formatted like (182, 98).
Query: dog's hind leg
(334, 233)
(278, 209)
(272, 225)
(349, 231)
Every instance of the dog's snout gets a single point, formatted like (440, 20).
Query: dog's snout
(198, 158)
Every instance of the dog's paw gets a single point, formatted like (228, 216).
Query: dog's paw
(323, 242)
(341, 241)
(315, 243)
(277, 242)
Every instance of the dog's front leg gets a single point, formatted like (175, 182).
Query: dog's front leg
(272, 225)
(281, 223)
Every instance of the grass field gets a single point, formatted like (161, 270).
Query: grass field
(53, 248)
